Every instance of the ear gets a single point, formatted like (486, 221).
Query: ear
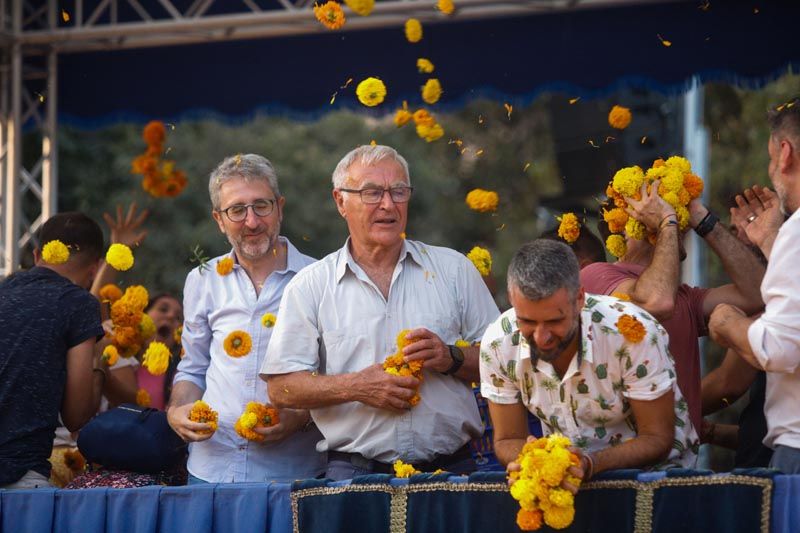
(338, 197)
(280, 203)
(786, 155)
(218, 217)
(580, 298)
(37, 255)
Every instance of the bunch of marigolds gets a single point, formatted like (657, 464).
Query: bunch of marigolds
(160, 177)
(396, 364)
(256, 415)
(543, 466)
(203, 413)
(677, 186)
(131, 325)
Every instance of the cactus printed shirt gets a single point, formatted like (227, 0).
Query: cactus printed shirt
(590, 403)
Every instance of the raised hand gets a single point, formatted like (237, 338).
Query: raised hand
(125, 230)
(651, 210)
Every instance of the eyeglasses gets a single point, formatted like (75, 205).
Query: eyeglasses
(373, 195)
(238, 212)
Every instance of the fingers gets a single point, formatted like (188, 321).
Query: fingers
(109, 220)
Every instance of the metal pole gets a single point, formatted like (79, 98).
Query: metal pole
(14, 150)
(49, 127)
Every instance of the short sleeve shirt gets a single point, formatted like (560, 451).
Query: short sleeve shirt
(42, 316)
(590, 403)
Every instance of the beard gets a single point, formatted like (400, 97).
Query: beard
(551, 355)
(252, 250)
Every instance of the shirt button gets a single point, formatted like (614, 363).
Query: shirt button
(242, 447)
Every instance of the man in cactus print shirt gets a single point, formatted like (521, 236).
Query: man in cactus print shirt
(594, 368)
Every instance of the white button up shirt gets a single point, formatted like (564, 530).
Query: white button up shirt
(214, 306)
(589, 404)
(775, 337)
(334, 320)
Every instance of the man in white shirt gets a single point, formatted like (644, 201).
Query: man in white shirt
(219, 301)
(340, 318)
(594, 368)
(772, 342)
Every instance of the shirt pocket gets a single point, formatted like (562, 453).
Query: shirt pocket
(348, 350)
(446, 326)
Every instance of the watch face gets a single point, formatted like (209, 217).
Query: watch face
(456, 353)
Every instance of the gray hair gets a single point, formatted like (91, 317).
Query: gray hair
(542, 267)
(249, 167)
(367, 155)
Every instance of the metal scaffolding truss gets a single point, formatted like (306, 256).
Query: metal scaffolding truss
(34, 32)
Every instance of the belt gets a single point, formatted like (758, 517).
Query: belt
(443, 462)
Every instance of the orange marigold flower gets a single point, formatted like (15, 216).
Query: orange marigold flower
(529, 520)
(126, 337)
(432, 91)
(110, 293)
(430, 133)
(619, 117)
(256, 415)
(421, 116)
(445, 6)
(110, 355)
(693, 185)
(238, 343)
(402, 116)
(74, 460)
(143, 398)
(621, 296)
(203, 413)
(154, 132)
(630, 328)
(225, 266)
(413, 29)
(330, 14)
(123, 313)
(616, 219)
(482, 200)
(402, 342)
(570, 228)
(361, 7)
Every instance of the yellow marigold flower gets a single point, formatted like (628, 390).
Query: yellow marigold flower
(143, 398)
(621, 296)
(413, 30)
(156, 358)
(225, 266)
(561, 497)
(672, 180)
(330, 14)
(523, 490)
(616, 219)
(559, 517)
(424, 65)
(432, 91)
(119, 257)
(635, 229)
(683, 217)
(238, 343)
(430, 133)
(693, 185)
(55, 252)
(203, 413)
(402, 469)
(672, 199)
(176, 335)
(628, 181)
(146, 327)
(482, 200)
(461, 343)
(570, 228)
(482, 260)
(110, 355)
(371, 91)
(123, 313)
(680, 163)
(422, 117)
(619, 117)
(361, 7)
(268, 320)
(616, 245)
(73, 459)
(402, 342)
(445, 6)
(256, 415)
(630, 328)
(403, 116)
(110, 293)
(529, 520)
(137, 296)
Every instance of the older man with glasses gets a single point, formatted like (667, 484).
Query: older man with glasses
(340, 319)
(225, 340)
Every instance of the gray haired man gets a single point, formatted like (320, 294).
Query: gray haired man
(593, 368)
(227, 301)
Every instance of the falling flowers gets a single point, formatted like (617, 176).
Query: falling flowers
(482, 200)
(156, 358)
(482, 260)
(619, 117)
(330, 14)
(431, 91)
(371, 91)
(361, 7)
(119, 257)
(424, 65)
(413, 29)
(142, 398)
(160, 178)
(569, 228)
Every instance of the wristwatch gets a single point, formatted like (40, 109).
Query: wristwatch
(458, 359)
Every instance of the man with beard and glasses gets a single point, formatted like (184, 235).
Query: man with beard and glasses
(772, 341)
(225, 340)
(649, 275)
(594, 368)
(340, 318)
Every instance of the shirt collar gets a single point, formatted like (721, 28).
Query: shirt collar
(345, 258)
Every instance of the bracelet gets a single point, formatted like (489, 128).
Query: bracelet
(666, 217)
(102, 373)
(669, 223)
(587, 477)
(707, 224)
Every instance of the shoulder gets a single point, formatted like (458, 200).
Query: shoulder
(317, 272)
(607, 311)
(502, 328)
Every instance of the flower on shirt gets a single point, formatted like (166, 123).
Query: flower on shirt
(55, 252)
(402, 469)
(630, 328)
(110, 355)
(156, 358)
(482, 200)
(119, 257)
(225, 266)
(203, 413)
(482, 260)
(237, 343)
(110, 293)
(536, 486)
(74, 460)
(268, 320)
(569, 228)
(619, 117)
(142, 398)
(256, 415)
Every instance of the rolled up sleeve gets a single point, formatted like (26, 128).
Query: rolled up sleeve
(196, 336)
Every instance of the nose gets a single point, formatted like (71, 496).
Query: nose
(251, 220)
(386, 200)
(542, 336)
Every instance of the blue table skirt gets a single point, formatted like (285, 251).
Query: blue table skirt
(240, 507)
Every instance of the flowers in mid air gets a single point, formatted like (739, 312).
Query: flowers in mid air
(619, 117)
(371, 91)
(330, 14)
(569, 228)
(413, 29)
(482, 200)
(119, 257)
(482, 260)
